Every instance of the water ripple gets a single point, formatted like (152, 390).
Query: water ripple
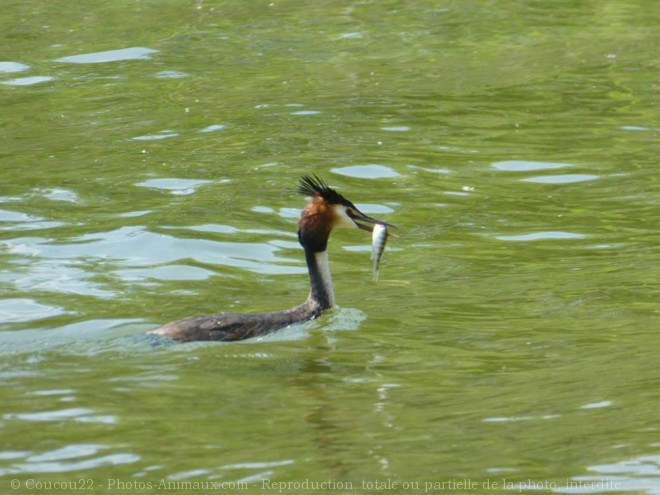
(22, 309)
(17, 220)
(57, 194)
(52, 276)
(561, 179)
(165, 134)
(168, 272)
(527, 166)
(639, 474)
(56, 415)
(213, 128)
(306, 112)
(176, 186)
(134, 53)
(9, 67)
(135, 246)
(28, 81)
(397, 128)
(171, 74)
(540, 236)
(368, 171)
(63, 460)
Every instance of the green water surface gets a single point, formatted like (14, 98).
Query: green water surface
(150, 152)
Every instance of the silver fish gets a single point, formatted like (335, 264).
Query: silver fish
(378, 240)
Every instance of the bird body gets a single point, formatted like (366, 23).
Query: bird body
(326, 210)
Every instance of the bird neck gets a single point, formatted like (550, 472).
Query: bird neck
(322, 292)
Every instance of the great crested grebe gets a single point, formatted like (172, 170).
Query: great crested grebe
(325, 210)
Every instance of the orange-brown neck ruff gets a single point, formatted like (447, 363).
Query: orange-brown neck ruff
(315, 224)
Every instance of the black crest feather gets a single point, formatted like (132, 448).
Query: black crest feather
(314, 186)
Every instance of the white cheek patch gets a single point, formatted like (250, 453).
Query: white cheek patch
(342, 219)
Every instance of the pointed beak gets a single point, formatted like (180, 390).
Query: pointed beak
(365, 222)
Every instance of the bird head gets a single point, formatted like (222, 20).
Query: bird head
(327, 209)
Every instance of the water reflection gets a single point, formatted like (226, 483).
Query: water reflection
(72, 458)
(396, 128)
(561, 179)
(181, 187)
(9, 67)
(136, 246)
(527, 166)
(637, 474)
(28, 81)
(213, 128)
(23, 309)
(369, 171)
(306, 112)
(16, 220)
(134, 53)
(168, 272)
(171, 74)
(53, 275)
(56, 194)
(539, 236)
(165, 134)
